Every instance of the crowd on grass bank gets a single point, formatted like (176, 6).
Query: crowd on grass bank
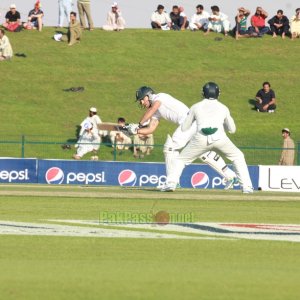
(202, 20)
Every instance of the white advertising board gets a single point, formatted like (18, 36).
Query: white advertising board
(279, 178)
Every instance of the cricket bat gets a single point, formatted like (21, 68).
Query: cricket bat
(111, 127)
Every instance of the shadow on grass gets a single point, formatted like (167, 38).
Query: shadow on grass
(252, 102)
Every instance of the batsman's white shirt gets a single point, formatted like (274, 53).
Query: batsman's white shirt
(170, 109)
(176, 112)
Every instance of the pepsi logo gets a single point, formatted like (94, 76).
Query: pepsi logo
(200, 180)
(127, 178)
(54, 175)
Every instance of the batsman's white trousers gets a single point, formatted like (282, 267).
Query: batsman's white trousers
(198, 146)
(181, 138)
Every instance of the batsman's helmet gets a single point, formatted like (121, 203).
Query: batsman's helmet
(142, 92)
(211, 90)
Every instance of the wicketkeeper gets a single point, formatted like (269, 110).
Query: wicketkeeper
(212, 119)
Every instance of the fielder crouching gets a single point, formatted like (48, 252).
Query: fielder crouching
(164, 106)
(212, 119)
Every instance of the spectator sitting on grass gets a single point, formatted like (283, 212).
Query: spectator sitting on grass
(35, 18)
(218, 22)
(13, 19)
(143, 144)
(241, 24)
(89, 141)
(258, 21)
(160, 19)
(114, 21)
(74, 31)
(93, 118)
(5, 47)
(178, 19)
(265, 99)
(279, 24)
(199, 20)
(119, 139)
(295, 24)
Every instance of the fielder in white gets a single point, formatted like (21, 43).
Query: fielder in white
(165, 106)
(212, 119)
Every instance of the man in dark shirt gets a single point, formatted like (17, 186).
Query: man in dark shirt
(13, 19)
(179, 19)
(35, 18)
(279, 24)
(265, 99)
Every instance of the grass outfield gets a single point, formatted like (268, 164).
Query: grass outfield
(65, 267)
(111, 66)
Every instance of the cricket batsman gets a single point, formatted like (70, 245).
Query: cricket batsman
(167, 107)
(212, 119)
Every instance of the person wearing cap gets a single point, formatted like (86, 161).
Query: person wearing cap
(13, 19)
(160, 19)
(218, 21)
(35, 18)
(89, 141)
(64, 10)
(6, 51)
(84, 10)
(288, 152)
(93, 118)
(114, 20)
(265, 99)
(295, 24)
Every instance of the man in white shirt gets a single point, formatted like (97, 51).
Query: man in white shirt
(212, 119)
(93, 118)
(164, 106)
(114, 20)
(88, 141)
(6, 51)
(218, 22)
(160, 19)
(199, 20)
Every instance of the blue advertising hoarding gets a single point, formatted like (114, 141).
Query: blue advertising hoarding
(129, 174)
(14, 170)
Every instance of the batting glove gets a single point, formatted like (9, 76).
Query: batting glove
(133, 128)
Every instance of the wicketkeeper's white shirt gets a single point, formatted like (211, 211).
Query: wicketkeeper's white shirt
(210, 113)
